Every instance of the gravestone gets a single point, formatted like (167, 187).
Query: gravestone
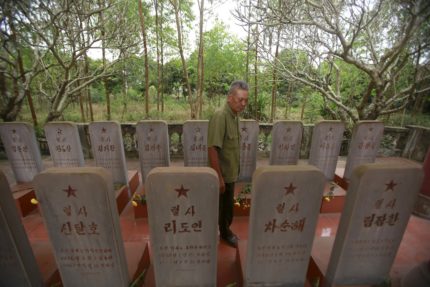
(22, 150)
(108, 149)
(183, 222)
(64, 144)
(284, 214)
(195, 142)
(153, 145)
(249, 131)
(80, 214)
(325, 147)
(378, 205)
(286, 141)
(18, 265)
(364, 145)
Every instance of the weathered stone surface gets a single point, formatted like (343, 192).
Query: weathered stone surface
(80, 213)
(108, 149)
(18, 266)
(325, 147)
(284, 213)
(195, 141)
(64, 144)
(286, 141)
(248, 148)
(378, 205)
(153, 145)
(22, 150)
(183, 221)
(364, 145)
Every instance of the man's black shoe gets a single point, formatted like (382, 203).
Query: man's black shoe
(231, 240)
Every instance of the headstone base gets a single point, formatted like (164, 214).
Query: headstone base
(333, 198)
(122, 194)
(339, 180)
(422, 206)
(23, 193)
(141, 210)
(45, 260)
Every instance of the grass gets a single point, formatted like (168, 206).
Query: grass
(177, 110)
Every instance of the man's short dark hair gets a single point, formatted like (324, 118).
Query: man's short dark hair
(238, 85)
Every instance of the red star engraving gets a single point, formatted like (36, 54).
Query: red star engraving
(371, 129)
(330, 129)
(151, 129)
(14, 131)
(288, 130)
(290, 189)
(244, 129)
(70, 191)
(390, 186)
(59, 131)
(182, 191)
(103, 130)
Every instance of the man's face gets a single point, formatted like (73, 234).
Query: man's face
(238, 100)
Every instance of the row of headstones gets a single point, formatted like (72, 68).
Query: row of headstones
(83, 225)
(153, 145)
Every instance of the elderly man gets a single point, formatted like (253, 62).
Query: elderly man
(223, 152)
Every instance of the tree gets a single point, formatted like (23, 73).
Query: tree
(145, 54)
(378, 38)
(178, 12)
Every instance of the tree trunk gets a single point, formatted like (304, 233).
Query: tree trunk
(175, 5)
(145, 55)
(157, 43)
(88, 90)
(275, 77)
(162, 58)
(105, 83)
(256, 74)
(22, 73)
(248, 43)
(200, 72)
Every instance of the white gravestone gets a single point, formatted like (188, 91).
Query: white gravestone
(19, 141)
(153, 145)
(108, 149)
(249, 131)
(195, 143)
(18, 265)
(284, 214)
(64, 144)
(378, 205)
(80, 213)
(364, 145)
(183, 221)
(325, 147)
(286, 141)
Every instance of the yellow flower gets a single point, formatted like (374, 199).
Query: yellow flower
(237, 204)
(135, 204)
(34, 201)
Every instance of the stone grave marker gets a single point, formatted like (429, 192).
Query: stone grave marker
(194, 143)
(364, 145)
(18, 265)
(378, 205)
(183, 221)
(325, 147)
(284, 214)
(64, 144)
(108, 149)
(286, 141)
(80, 213)
(153, 145)
(22, 150)
(249, 130)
